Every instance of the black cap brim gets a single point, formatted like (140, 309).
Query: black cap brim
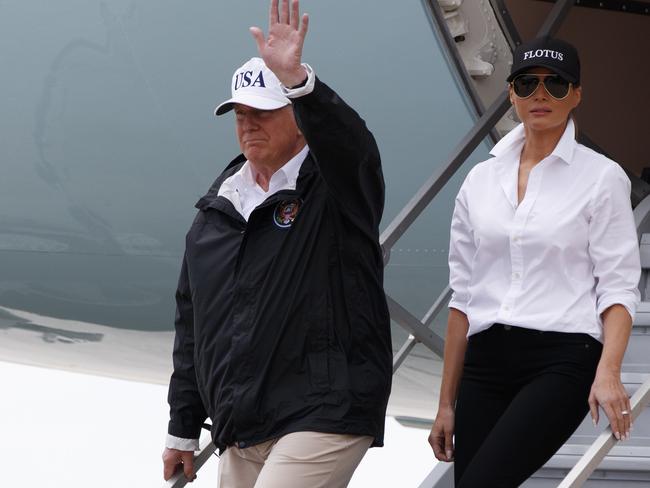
(554, 69)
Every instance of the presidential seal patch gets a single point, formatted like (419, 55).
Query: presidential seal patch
(285, 212)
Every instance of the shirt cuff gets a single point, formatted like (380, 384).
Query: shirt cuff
(458, 304)
(629, 301)
(173, 442)
(302, 90)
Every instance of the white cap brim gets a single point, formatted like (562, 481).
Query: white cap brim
(250, 100)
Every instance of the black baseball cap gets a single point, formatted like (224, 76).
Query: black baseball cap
(554, 54)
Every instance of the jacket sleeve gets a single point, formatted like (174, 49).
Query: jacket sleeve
(344, 150)
(187, 412)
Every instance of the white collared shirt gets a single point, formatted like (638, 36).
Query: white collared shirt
(557, 260)
(245, 194)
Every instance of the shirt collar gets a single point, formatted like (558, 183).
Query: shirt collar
(567, 144)
(514, 140)
(292, 167)
(288, 172)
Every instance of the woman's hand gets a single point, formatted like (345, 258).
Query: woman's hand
(442, 433)
(608, 392)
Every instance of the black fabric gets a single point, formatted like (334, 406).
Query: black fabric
(282, 328)
(555, 54)
(522, 394)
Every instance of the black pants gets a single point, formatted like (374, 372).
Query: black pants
(522, 394)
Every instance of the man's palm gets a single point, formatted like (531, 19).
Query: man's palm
(282, 50)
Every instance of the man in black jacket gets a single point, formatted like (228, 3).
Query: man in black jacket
(282, 328)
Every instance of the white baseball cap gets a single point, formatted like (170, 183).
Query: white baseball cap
(254, 85)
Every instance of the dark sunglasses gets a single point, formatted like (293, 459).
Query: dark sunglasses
(524, 85)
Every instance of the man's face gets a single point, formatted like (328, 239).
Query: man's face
(268, 137)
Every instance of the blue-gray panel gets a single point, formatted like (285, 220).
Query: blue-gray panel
(107, 138)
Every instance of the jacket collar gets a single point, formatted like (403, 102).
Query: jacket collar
(306, 169)
(212, 194)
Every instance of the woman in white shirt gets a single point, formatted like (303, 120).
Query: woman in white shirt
(544, 265)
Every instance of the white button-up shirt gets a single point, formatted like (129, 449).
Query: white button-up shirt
(245, 194)
(558, 259)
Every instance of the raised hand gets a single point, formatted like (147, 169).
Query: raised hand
(282, 49)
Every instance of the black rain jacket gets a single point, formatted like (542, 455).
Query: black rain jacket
(282, 323)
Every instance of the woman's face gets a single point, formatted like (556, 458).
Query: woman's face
(540, 111)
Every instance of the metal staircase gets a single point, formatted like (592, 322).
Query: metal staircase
(592, 457)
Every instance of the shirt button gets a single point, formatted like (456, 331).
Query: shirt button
(506, 308)
(241, 444)
(516, 276)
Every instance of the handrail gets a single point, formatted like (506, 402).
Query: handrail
(443, 173)
(604, 443)
(412, 341)
(437, 306)
(179, 480)
(414, 326)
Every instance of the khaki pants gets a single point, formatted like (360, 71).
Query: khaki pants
(297, 460)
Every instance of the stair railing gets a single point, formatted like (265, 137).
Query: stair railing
(604, 443)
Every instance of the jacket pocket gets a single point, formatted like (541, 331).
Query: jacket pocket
(319, 370)
(317, 355)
